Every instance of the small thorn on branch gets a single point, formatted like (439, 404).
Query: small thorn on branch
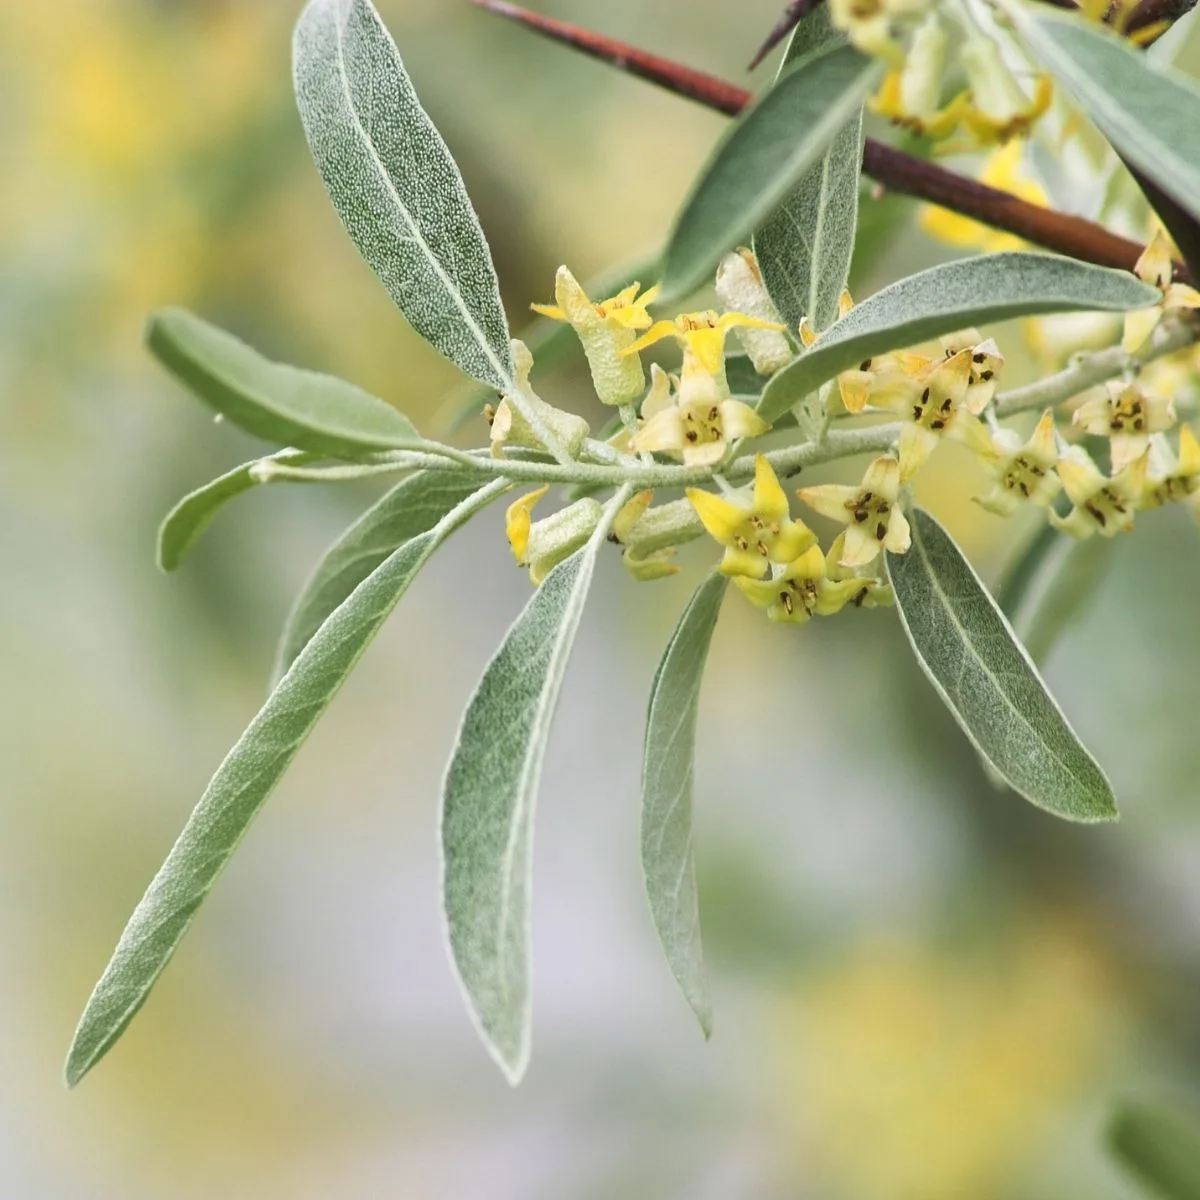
(795, 12)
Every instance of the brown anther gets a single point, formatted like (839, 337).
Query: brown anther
(937, 425)
(880, 531)
(978, 358)
(986, 375)
(865, 365)
(785, 598)
(692, 436)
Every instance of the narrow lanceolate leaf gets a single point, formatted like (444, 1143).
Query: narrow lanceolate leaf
(396, 187)
(668, 863)
(273, 401)
(1150, 112)
(237, 791)
(183, 525)
(414, 505)
(763, 157)
(969, 291)
(1160, 1144)
(804, 249)
(1051, 586)
(988, 681)
(488, 804)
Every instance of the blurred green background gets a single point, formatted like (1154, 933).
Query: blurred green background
(925, 990)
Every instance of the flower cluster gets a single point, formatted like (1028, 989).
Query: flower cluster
(912, 38)
(938, 392)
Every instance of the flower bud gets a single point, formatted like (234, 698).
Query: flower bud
(740, 288)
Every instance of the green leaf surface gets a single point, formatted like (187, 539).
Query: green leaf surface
(396, 187)
(763, 157)
(988, 681)
(1051, 585)
(414, 505)
(1160, 1144)
(804, 249)
(668, 863)
(273, 401)
(949, 297)
(182, 526)
(242, 783)
(488, 803)
(1150, 112)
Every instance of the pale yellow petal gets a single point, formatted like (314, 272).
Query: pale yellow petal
(770, 500)
(741, 421)
(722, 518)
(831, 500)
(882, 477)
(899, 536)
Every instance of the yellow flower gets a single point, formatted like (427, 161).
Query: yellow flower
(756, 534)
(997, 109)
(871, 512)
(650, 535)
(1002, 170)
(1127, 416)
(940, 407)
(1156, 268)
(872, 26)
(701, 420)
(703, 334)
(802, 589)
(1171, 479)
(873, 592)
(509, 426)
(1023, 473)
(1104, 506)
(909, 95)
(986, 364)
(740, 288)
(542, 545)
(607, 331)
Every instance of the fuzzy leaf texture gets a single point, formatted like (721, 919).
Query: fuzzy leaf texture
(182, 526)
(949, 297)
(488, 802)
(1150, 112)
(396, 187)
(987, 680)
(237, 791)
(763, 157)
(668, 862)
(1160, 1144)
(409, 509)
(273, 401)
(805, 248)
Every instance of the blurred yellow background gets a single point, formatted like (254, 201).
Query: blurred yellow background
(925, 990)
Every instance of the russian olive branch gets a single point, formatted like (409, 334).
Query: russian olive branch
(1087, 371)
(894, 169)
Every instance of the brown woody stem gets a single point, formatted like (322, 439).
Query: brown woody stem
(896, 170)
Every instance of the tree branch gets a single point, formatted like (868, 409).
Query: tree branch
(896, 170)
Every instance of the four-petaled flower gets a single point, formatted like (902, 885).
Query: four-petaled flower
(997, 109)
(873, 592)
(542, 545)
(1127, 416)
(1102, 505)
(872, 25)
(1172, 478)
(801, 590)
(1023, 473)
(1156, 268)
(702, 419)
(870, 512)
(754, 534)
(607, 330)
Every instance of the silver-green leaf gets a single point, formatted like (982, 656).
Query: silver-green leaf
(804, 249)
(488, 802)
(988, 681)
(1150, 112)
(273, 401)
(762, 158)
(242, 783)
(949, 297)
(1160, 1144)
(668, 862)
(183, 525)
(396, 187)
(413, 506)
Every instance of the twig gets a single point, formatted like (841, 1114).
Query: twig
(795, 12)
(896, 170)
(1151, 12)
